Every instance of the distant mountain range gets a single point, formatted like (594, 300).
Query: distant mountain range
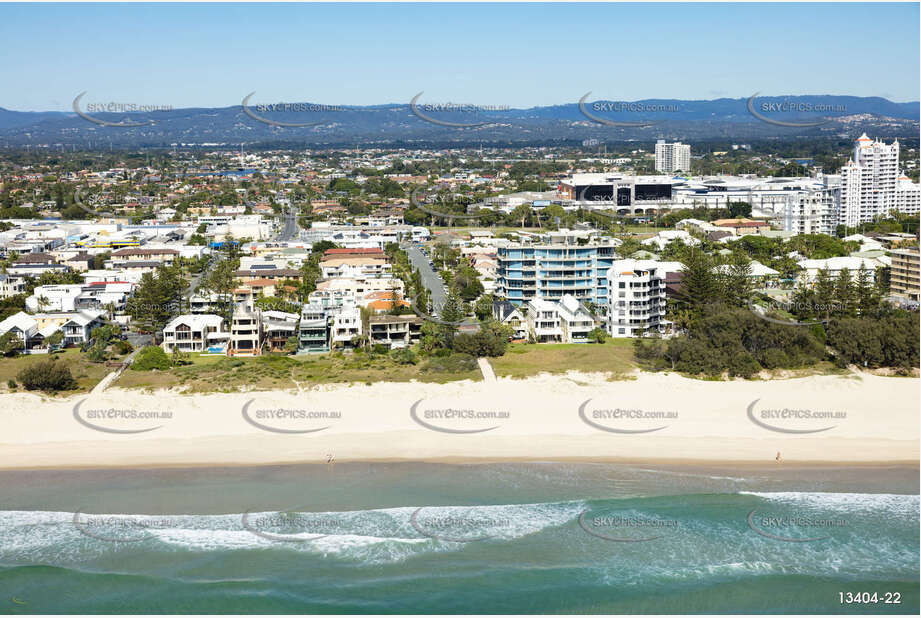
(425, 122)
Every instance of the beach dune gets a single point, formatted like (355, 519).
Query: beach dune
(853, 419)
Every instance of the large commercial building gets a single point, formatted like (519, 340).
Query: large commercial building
(636, 298)
(904, 274)
(673, 157)
(552, 270)
(621, 190)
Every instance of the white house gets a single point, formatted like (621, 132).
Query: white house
(22, 325)
(509, 315)
(663, 238)
(565, 321)
(194, 333)
(835, 265)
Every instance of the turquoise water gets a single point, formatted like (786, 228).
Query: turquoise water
(428, 538)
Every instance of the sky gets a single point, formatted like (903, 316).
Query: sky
(520, 55)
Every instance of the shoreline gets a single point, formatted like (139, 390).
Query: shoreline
(570, 418)
(713, 465)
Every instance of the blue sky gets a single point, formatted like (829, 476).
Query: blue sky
(520, 55)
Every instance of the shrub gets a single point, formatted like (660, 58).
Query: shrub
(404, 356)
(890, 341)
(179, 358)
(744, 365)
(10, 344)
(151, 357)
(598, 335)
(47, 375)
(772, 358)
(490, 340)
(11, 383)
(455, 363)
(96, 354)
(466, 344)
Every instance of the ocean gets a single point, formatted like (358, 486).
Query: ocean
(442, 538)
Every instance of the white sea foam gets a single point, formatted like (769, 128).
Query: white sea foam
(901, 504)
(377, 535)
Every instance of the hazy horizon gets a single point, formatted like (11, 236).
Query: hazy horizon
(516, 55)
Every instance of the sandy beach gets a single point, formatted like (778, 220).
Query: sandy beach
(659, 418)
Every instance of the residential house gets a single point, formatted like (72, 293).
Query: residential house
(397, 331)
(346, 325)
(314, 329)
(246, 333)
(11, 285)
(194, 333)
(278, 327)
(576, 320)
(355, 267)
(544, 321)
(742, 227)
(835, 265)
(130, 258)
(509, 315)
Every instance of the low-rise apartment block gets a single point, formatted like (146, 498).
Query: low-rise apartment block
(904, 274)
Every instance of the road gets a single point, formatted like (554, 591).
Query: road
(430, 278)
(290, 229)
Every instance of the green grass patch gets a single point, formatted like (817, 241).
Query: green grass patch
(272, 372)
(526, 359)
(86, 374)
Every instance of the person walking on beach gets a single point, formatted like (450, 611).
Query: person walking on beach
(777, 459)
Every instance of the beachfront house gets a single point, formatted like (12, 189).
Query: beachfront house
(314, 329)
(395, 331)
(246, 333)
(194, 333)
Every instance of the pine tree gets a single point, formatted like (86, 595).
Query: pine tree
(824, 289)
(845, 299)
(699, 285)
(738, 282)
(867, 297)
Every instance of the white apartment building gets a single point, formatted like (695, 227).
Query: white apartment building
(355, 267)
(54, 297)
(338, 292)
(636, 298)
(346, 324)
(672, 157)
(871, 185)
(812, 212)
